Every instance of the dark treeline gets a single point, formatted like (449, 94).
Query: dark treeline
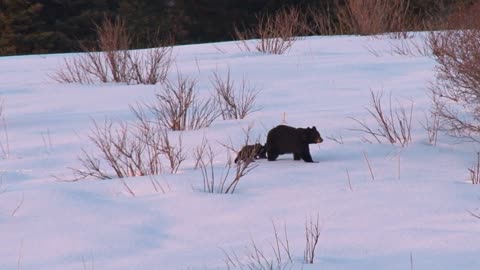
(51, 26)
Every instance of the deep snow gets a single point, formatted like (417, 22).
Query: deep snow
(415, 214)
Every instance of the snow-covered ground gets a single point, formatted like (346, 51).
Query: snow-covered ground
(414, 214)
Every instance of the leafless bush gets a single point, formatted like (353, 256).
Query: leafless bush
(227, 180)
(73, 71)
(235, 102)
(255, 257)
(456, 90)
(200, 151)
(158, 140)
(124, 150)
(475, 171)
(275, 33)
(462, 16)
(368, 17)
(312, 235)
(178, 107)
(150, 66)
(410, 47)
(322, 22)
(114, 41)
(173, 152)
(394, 125)
(119, 152)
(111, 59)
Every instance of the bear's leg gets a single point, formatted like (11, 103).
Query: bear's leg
(296, 156)
(306, 154)
(272, 155)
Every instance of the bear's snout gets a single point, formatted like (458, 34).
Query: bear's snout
(319, 140)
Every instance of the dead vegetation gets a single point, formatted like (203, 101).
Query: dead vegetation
(274, 33)
(113, 60)
(393, 125)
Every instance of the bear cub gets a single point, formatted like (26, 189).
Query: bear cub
(250, 152)
(284, 139)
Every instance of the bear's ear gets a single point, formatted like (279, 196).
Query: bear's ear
(314, 128)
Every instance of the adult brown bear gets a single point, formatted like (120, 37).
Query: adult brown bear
(284, 139)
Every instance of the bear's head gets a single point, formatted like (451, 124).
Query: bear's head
(311, 135)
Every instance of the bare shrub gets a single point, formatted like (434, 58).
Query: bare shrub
(158, 140)
(73, 71)
(200, 151)
(114, 40)
(463, 16)
(173, 152)
(275, 33)
(475, 171)
(111, 60)
(150, 66)
(124, 150)
(312, 235)
(322, 22)
(255, 257)
(227, 180)
(393, 125)
(456, 90)
(410, 46)
(118, 152)
(178, 107)
(367, 17)
(235, 102)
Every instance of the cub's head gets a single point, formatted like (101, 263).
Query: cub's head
(260, 150)
(311, 135)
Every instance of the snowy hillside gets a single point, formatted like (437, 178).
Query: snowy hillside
(380, 206)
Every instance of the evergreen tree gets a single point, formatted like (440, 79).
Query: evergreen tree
(148, 21)
(18, 26)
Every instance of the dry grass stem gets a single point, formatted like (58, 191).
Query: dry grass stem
(5, 141)
(349, 180)
(338, 139)
(127, 187)
(432, 126)
(312, 235)
(280, 257)
(475, 171)
(369, 166)
(14, 212)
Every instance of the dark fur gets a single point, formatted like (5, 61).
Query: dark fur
(251, 152)
(285, 139)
